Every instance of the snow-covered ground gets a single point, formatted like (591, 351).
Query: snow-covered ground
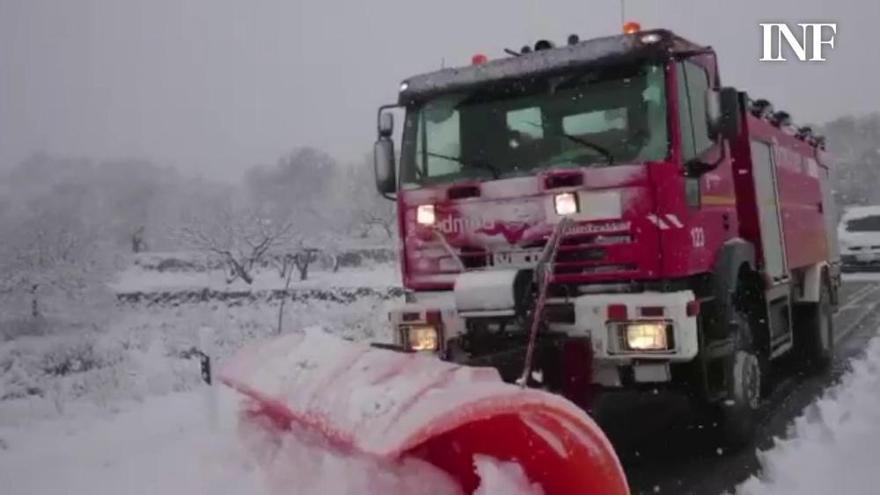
(115, 409)
(163, 444)
(190, 444)
(137, 353)
(137, 279)
(833, 446)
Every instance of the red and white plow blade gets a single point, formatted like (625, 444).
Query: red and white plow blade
(399, 414)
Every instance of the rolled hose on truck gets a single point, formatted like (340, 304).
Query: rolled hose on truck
(391, 407)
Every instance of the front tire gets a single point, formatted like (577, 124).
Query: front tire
(739, 412)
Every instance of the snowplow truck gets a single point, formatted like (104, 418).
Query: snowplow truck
(699, 242)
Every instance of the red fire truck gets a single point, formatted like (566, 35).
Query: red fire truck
(698, 244)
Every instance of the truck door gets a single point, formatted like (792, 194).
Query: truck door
(829, 209)
(708, 209)
(767, 195)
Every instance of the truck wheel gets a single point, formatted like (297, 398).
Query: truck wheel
(816, 330)
(744, 377)
(740, 410)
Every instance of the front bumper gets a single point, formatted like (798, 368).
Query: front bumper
(676, 310)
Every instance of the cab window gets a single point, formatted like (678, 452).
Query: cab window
(693, 84)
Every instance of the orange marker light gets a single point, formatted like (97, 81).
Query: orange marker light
(631, 28)
(479, 59)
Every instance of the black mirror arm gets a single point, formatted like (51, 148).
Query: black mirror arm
(706, 167)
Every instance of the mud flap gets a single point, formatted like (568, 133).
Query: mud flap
(392, 406)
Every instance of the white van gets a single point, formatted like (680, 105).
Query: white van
(859, 235)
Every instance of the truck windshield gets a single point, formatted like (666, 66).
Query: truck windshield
(594, 119)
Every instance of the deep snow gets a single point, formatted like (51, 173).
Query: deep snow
(116, 409)
(164, 444)
(129, 416)
(834, 446)
(190, 444)
(172, 444)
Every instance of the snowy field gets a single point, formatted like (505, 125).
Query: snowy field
(136, 279)
(139, 352)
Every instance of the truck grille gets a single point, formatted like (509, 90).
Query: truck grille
(579, 254)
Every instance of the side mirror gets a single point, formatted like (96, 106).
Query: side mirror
(723, 113)
(383, 164)
(696, 168)
(386, 124)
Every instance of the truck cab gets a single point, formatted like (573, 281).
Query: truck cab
(669, 266)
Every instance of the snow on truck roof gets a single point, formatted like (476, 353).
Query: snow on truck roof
(644, 45)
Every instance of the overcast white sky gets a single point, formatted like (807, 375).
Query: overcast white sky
(214, 86)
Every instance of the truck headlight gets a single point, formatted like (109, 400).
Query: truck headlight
(422, 338)
(647, 336)
(425, 215)
(565, 203)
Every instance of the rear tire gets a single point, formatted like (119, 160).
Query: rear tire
(816, 331)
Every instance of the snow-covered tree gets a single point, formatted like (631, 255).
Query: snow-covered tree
(241, 238)
(855, 145)
(50, 265)
(362, 212)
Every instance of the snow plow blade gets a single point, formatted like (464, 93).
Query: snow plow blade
(393, 406)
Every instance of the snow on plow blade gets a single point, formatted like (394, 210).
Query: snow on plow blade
(393, 406)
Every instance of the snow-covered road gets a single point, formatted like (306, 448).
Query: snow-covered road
(666, 449)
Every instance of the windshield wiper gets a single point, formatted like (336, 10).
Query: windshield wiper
(467, 163)
(583, 142)
(593, 146)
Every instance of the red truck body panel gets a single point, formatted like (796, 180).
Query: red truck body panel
(661, 232)
(797, 167)
(510, 216)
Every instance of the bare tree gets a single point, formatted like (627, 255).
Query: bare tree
(364, 210)
(285, 264)
(377, 215)
(303, 259)
(242, 239)
(138, 244)
(47, 260)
